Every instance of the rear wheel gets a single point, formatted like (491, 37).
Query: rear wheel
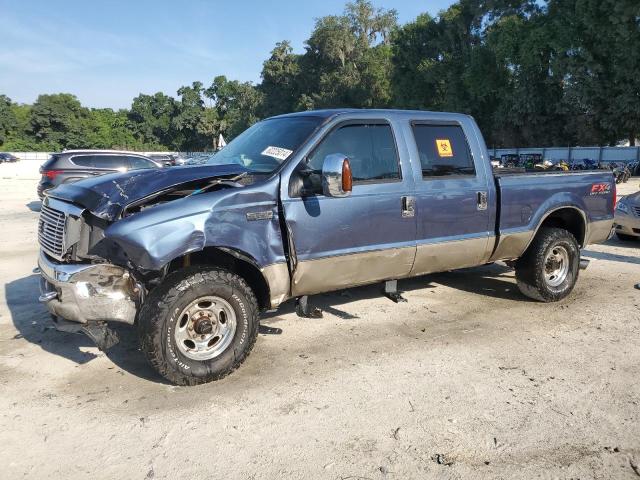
(549, 269)
(199, 325)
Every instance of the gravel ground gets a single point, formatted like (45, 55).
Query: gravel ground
(468, 379)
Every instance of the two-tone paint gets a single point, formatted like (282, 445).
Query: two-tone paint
(384, 230)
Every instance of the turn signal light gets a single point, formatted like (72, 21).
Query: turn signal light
(347, 178)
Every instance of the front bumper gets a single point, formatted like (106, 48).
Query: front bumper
(627, 223)
(87, 293)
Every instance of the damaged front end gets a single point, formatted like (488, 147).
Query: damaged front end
(106, 242)
(83, 297)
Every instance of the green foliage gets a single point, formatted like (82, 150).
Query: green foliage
(281, 86)
(532, 72)
(150, 119)
(7, 118)
(236, 104)
(59, 121)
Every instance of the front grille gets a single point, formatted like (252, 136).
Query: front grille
(637, 210)
(51, 231)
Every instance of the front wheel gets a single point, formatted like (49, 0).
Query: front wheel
(549, 268)
(199, 325)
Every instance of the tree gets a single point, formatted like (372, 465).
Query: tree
(531, 72)
(189, 116)
(280, 84)
(600, 53)
(237, 104)
(109, 129)
(59, 121)
(150, 120)
(8, 120)
(347, 62)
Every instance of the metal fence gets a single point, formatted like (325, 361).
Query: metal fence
(569, 154)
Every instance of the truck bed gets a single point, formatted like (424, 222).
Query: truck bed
(526, 199)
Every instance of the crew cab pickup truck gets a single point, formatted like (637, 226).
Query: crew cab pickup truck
(298, 205)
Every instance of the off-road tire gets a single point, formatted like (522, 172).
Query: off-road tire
(159, 316)
(626, 238)
(530, 268)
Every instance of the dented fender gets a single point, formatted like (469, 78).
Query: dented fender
(243, 219)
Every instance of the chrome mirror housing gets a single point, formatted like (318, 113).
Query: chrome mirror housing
(337, 180)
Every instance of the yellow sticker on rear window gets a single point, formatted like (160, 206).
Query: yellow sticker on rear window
(444, 147)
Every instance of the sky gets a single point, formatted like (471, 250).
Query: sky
(107, 52)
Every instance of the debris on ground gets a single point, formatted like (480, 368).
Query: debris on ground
(440, 459)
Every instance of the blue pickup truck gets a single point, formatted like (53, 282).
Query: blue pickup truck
(298, 205)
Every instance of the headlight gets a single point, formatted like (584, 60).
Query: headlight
(622, 207)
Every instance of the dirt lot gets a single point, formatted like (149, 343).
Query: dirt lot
(468, 379)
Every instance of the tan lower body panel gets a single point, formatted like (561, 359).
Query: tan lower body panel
(442, 256)
(512, 245)
(599, 231)
(277, 277)
(344, 271)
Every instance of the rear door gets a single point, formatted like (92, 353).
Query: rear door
(362, 238)
(454, 203)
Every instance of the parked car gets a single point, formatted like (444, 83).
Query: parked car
(6, 157)
(627, 218)
(73, 165)
(297, 205)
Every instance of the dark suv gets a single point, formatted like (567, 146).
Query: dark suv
(73, 165)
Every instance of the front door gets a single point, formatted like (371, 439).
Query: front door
(359, 239)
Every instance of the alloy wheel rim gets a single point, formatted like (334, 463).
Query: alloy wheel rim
(205, 328)
(556, 266)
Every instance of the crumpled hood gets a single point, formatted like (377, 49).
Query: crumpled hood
(107, 195)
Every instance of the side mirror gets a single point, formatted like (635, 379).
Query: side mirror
(337, 180)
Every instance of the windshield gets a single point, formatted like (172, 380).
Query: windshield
(264, 146)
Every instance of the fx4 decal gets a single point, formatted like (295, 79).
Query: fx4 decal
(600, 188)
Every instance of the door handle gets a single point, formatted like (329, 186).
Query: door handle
(482, 200)
(408, 207)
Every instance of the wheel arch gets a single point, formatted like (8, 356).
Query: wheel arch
(571, 218)
(235, 261)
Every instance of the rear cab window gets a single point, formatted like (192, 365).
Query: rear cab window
(443, 150)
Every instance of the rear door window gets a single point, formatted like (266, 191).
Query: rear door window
(443, 150)
(106, 162)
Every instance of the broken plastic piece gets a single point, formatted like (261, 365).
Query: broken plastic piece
(101, 334)
(305, 310)
(391, 291)
(266, 330)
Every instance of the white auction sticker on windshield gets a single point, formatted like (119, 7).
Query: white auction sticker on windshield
(277, 152)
